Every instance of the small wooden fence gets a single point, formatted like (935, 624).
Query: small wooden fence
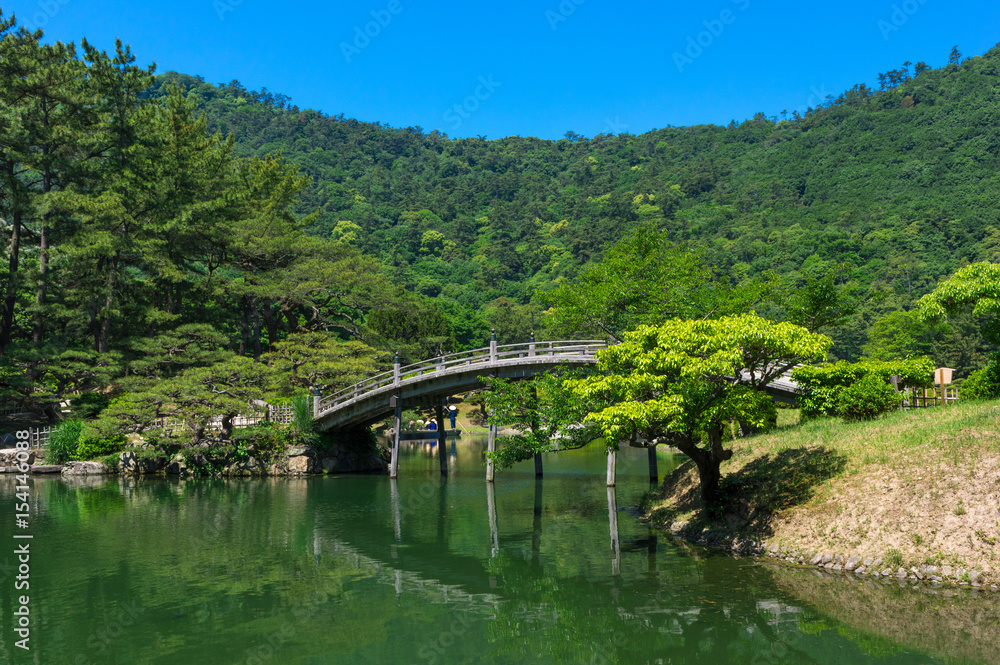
(922, 398)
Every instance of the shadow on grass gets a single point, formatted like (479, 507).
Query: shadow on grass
(753, 495)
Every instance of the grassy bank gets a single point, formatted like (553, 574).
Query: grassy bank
(913, 488)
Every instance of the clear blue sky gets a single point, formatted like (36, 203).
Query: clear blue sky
(533, 68)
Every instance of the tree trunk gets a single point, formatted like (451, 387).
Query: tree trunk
(256, 328)
(709, 475)
(708, 460)
(43, 274)
(109, 301)
(10, 300)
(245, 327)
(271, 324)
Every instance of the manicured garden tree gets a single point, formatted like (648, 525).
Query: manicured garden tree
(221, 390)
(319, 359)
(543, 412)
(680, 382)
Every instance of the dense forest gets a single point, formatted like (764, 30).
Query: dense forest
(897, 183)
(159, 223)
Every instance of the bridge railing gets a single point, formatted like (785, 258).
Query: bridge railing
(459, 360)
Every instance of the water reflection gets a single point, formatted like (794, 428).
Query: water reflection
(413, 570)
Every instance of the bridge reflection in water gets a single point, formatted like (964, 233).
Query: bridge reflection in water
(420, 458)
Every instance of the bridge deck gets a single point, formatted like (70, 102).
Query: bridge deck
(371, 400)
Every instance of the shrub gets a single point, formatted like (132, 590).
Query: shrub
(63, 441)
(820, 387)
(867, 399)
(265, 441)
(983, 383)
(93, 447)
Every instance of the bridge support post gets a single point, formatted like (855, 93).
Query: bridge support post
(654, 473)
(397, 425)
(442, 442)
(491, 446)
(611, 467)
(616, 554)
(315, 402)
(493, 345)
(531, 345)
(491, 509)
(538, 465)
(397, 519)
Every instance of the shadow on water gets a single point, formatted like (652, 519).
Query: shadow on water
(753, 494)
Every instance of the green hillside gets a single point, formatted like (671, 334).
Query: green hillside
(899, 182)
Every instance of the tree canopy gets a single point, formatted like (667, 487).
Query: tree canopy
(680, 381)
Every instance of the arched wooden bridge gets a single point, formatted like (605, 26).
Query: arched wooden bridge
(428, 382)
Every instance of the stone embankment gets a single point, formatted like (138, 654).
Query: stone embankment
(858, 565)
(294, 461)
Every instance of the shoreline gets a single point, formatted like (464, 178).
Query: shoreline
(913, 497)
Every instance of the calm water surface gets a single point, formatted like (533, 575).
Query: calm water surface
(363, 570)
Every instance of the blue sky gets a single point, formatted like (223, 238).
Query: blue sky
(531, 68)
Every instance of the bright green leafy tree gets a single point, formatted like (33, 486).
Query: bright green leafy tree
(545, 414)
(679, 382)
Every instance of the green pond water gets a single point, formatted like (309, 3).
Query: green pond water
(361, 569)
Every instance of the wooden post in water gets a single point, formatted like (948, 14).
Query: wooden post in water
(442, 435)
(397, 426)
(491, 509)
(536, 524)
(491, 446)
(534, 424)
(654, 472)
(611, 467)
(616, 554)
(397, 519)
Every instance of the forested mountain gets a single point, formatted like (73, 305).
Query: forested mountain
(898, 182)
(159, 224)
